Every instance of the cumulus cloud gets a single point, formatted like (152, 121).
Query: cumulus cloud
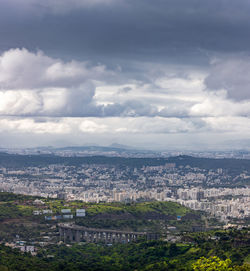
(19, 103)
(20, 68)
(49, 102)
(35, 84)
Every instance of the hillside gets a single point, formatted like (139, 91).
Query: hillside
(143, 216)
(177, 250)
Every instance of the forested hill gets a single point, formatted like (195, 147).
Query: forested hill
(15, 160)
(141, 256)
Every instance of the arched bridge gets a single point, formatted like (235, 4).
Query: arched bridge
(75, 233)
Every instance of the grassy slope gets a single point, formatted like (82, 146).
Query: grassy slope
(17, 205)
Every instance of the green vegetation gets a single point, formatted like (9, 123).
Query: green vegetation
(141, 256)
(166, 208)
(215, 264)
(230, 246)
(143, 216)
(15, 206)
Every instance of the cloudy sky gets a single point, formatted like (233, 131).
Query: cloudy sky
(159, 74)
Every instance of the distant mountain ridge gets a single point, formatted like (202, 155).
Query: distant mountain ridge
(115, 147)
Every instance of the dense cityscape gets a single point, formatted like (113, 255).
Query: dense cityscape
(215, 191)
(54, 201)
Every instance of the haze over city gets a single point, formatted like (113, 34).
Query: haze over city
(149, 74)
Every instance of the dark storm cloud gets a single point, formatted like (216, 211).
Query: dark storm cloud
(232, 75)
(169, 30)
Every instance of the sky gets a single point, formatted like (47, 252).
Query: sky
(158, 75)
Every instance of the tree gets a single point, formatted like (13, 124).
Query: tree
(213, 264)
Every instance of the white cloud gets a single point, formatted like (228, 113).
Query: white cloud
(88, 126)
(20, 68)
(30, 126)
(148, 132)
(48, 101)
(216, 105)
(128, 126)
(19, 102)
(33, 84)
(186, 85)
(230, 124)
(140, 125)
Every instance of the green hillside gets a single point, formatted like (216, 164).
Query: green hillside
(143, 216)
